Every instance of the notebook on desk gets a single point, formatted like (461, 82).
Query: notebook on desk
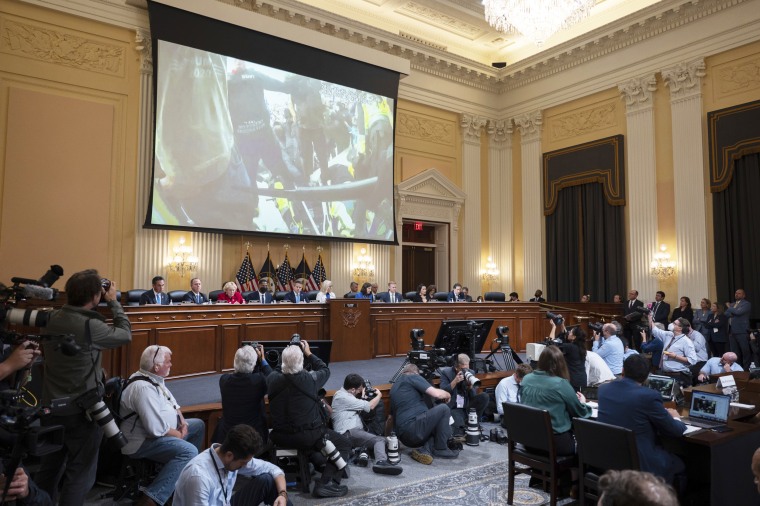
(708, 410)
(665, 385)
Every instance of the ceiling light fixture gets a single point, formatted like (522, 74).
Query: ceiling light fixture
(536, 19)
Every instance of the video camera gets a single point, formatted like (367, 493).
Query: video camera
(427, 361)
(502, 335)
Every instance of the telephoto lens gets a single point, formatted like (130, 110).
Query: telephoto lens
(472, 431)
(332, 454)
(100, 414)
(471, 379)
(391, 449)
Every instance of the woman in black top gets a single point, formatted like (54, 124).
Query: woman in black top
(717, 325)
(421, 295)
(243, 393)
(573, 347)
(683, 310)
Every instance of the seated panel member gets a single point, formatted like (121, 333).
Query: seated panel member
(627, 403)
(195, 294)
(347, 405)
(391, 296)
(154, 425)
(200, 483)
(366, 292)
(466, 294)
(719, 365)
(231, 295)
(296, 296)
(463, 396)
(157, 295)
(325, 291)
(426, 430)
(263, 295)
(513, 297)
(422, 294)
(538, 296)
(455, 295)
(353, 290)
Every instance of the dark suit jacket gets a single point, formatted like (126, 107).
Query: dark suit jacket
(454, 298)
(149, 297)
(256, 297)
(625, 403)
(291, 297)
(190, 297)
(661, 313)
(537, 299)
(739, 317)
(386, 297)
(629, 313)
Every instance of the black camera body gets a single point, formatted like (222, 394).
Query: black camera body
(596, 327)
(295, 340)
(105, 283)
(558, 319)
(252, 344)
(369, 392)
(643, 310)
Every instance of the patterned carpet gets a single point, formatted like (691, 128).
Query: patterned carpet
(482, 485)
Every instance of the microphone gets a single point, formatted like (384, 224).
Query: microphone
(25, 281)
(38, 292)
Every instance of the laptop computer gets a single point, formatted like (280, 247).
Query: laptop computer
(665, 385)
(590, 393)
(708, 410)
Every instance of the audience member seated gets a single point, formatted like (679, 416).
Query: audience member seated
(513, 297)
(366, 292)
(464, 396)
(597, 370)
(325, 291)
(611, 348)
(538, 297)
(719, 365)
(585, 298)
(201, 481)
(574, 349)
(353, 290)
(548, 387)
(700, 350)
(634, 488)
(243, 393)
(627, 403)
(391, 296)
(508, 389)
(154, 425)
(297, 414)
(678, 350)
(195, 295)
(426, 430)
(157, 294)
(348, 404)
(263, 295)
(455, 295)
(422, 294)
(296, 296)
(231, 294)
(466, 294)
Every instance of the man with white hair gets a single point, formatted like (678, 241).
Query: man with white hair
(719, 365)
(299, 417)
(154, 425)
(611, 348)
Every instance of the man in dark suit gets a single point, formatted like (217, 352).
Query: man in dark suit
(627, 403)
(157, 294)
(296, 296)
(391, 295)
(263, 296)
(538, 297)
(466, 294)
(631, 316)
(353, 289)
(738, 338)
(195, 295)
(455, 295)
(660, 309)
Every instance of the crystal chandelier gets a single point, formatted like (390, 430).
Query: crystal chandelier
(536, 19)
(184, 260)
(662, 267)
(364, 267)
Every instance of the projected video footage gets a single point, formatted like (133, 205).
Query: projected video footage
(245, 147)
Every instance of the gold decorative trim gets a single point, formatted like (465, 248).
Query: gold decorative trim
(350, 317)
(426, 129)
(722, 158)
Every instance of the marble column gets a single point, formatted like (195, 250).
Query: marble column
(471, 126)
(685, 83)
(500, 216)
(534, 254)
(641, 183)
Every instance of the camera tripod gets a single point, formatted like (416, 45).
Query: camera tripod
(508, 356)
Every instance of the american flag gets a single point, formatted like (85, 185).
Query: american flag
(317, 275)
(303, 272)
(246, 276)
(284, 275)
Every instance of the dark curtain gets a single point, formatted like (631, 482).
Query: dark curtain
(736, 214)
(585, 246)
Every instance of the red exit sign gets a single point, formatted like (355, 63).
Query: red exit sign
(418, 226)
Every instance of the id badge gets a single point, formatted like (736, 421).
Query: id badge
(460, 401)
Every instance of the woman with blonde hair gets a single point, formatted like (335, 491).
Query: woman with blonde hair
(231, 295)
(325, 291)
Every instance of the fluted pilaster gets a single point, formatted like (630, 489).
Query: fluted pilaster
(341, 260)
(472, 126)
(641, 194)
(685, 83)
(500, 232)
(533, 217)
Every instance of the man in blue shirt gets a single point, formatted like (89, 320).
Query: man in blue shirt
(611, 349)
(719, 365)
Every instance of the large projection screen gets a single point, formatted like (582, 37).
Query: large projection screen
(256, 134)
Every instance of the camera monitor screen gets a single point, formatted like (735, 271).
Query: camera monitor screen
(262, 135)
(463, 336)
(663, 384)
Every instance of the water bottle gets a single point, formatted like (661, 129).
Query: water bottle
(472, 432)
(391, 448)
(333, 455)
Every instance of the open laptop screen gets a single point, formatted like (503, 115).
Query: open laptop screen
(709, 406)
(662, 384)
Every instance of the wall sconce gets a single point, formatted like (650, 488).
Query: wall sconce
(662, 267)
(364, 267)
(490, 273)
(184, 260)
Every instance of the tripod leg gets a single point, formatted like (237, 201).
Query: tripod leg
(398, 373)
(509, 361)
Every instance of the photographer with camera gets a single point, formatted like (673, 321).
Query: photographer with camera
(299, 419)
(73, 384)
(574, 349)
(461, 383)
(678, 353)
(347, 405)
(611, 349)
(154, 426)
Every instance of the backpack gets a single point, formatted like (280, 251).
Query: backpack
(114, 388)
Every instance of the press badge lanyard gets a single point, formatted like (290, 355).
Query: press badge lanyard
(221, 483)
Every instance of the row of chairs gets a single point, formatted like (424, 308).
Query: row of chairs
(601, 447)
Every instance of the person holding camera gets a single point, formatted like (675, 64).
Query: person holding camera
(678, 353)
(574, 349)
(73, 373)
(243, 393)
(155, 427)
(299, 419)
(347, 405)
(611, 349)
(461, 383)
